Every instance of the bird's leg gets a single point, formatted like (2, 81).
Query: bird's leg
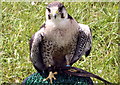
(51, 75)
(68, 59)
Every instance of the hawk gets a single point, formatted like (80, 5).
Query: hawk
(60, 42)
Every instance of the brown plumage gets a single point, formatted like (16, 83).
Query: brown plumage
(61, 41)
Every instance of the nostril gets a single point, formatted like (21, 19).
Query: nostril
(55, 16)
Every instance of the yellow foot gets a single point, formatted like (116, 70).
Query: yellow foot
(51, 75)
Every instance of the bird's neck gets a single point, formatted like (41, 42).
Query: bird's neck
(61, 32)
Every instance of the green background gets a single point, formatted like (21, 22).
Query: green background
(20, 20)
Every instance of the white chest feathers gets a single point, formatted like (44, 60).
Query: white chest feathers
(62, 33)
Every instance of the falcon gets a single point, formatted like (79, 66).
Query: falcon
(60, 42)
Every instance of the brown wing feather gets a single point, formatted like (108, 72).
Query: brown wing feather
(35, 51)
(83, 43)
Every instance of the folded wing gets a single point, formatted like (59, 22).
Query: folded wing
(84, 43)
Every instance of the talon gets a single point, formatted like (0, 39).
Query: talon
(51, 75)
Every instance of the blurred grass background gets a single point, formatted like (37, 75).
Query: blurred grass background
(20, 20)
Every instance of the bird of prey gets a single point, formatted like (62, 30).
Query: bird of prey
(60, 42)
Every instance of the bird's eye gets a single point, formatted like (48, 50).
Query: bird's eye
(62, 15)
(48, 9)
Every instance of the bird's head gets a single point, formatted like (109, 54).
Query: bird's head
(56, 11)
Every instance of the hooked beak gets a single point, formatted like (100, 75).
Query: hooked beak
(54, 13)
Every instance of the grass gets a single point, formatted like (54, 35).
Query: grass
(20, 20)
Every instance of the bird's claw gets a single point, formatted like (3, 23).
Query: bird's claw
(51, 75)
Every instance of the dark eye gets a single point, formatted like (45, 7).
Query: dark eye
(60, 9)
(48, 9)
(62, 15)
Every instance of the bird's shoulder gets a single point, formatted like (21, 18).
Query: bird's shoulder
(40, 32)
(37, 36)
(43, 26)
(70, 17)
(84, 28)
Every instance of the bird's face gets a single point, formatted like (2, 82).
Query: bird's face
(56, 11)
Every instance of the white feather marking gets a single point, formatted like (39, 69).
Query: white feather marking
(85, 28)
(61, 31)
